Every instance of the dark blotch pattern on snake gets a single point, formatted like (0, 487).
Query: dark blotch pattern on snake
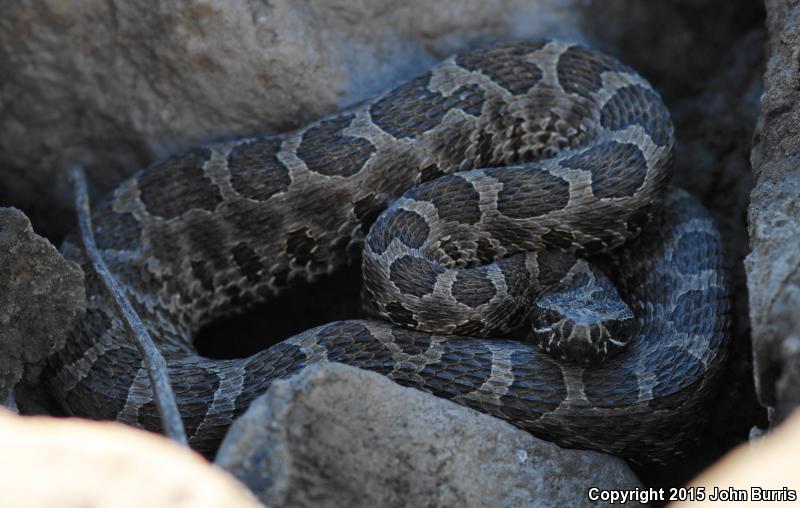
(548, 151)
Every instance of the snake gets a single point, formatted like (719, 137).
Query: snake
(518, 179)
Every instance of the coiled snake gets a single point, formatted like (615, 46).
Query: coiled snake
(579, 151)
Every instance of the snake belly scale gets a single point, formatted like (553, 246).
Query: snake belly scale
(530, 151)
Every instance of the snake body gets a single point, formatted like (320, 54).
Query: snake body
(496, 171)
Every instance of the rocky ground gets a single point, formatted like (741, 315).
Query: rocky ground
(120, 84)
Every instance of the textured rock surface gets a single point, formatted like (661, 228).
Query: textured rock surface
(78, 464)
(773, 267)
(338, 436)
(41, 296)
(123, 82)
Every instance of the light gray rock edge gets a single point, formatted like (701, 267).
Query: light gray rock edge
(335, 436)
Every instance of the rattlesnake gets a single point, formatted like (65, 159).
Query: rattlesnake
(579, 150)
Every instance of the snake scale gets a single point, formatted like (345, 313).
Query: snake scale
(489, 180)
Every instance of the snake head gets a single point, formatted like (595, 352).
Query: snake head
(582, 318)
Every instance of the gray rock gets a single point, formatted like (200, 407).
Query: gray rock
(773, 266)
(120, 83)
(335, 435)
(41, 297)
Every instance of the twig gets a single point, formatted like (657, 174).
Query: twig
(153, 361)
